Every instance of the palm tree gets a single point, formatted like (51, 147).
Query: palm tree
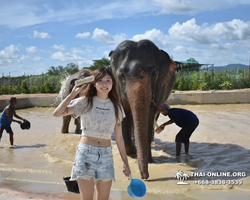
(179, 175)
(185, 176)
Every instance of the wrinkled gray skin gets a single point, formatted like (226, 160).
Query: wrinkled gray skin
(66, 88)
(145, 77)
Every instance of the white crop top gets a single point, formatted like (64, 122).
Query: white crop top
(100, 121)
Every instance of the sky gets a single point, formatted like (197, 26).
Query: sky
(36, 34)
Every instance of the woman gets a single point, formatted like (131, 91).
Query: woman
(101, 114)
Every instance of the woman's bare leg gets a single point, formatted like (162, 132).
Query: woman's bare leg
(86, 188)
(103, 189)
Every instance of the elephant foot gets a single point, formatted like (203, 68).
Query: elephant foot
(64, 131)
(78, 131)
(144, 175)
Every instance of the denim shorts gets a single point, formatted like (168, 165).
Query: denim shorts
(93, 162)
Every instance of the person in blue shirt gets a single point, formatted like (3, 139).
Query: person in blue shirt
(183, 118)
(6, 118)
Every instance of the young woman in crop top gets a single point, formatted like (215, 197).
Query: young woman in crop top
(101, 114)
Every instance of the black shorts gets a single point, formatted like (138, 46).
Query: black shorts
(8, 129)
(186, 132)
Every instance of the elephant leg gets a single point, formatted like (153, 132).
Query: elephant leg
(151, 128)
(78, 127)
(127, 131)
(150, 158)
(65, 126)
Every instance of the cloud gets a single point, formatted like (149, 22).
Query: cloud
(8, 54)
(70, 57)
(208, 43)
(233, 30)
(31, 49)
(66, 56)
(190, 32)
(41, 35)
(37, 58)
(222, 54)
(83, 35)
(78, 51)
(104, 37)
(156, 36)
(60, 47)
(194, 6)
(26, 57)
(30, 13)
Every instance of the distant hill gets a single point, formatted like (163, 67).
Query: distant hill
(231, 66)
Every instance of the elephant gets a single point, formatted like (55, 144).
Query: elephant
(145, 77)
(66, 88)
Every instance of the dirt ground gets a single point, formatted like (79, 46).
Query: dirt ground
(13, 194)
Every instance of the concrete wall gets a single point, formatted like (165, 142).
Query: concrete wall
(32, 102)
(228, 97)
(217, 97)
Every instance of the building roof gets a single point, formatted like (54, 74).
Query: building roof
(189, 62)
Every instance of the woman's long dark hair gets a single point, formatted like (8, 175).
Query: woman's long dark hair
(91, 91)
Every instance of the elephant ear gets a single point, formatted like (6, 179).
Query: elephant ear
(110, 53)
(165, 59)
(166, 77)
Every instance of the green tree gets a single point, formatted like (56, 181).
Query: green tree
(196, 80)
(16, 89)
(71, 68)
(4, 89)
(54, 71)
(49, 86)
(192, 60)
(99, 63)
(34, 89)
(24, 87)
(226, 85)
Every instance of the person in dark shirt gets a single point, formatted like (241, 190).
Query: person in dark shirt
(183, 118)
(6, 118)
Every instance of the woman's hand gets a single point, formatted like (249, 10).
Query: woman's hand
(126, 170)
(159, 129)
(76, 90)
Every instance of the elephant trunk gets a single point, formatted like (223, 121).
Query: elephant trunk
(139, 97)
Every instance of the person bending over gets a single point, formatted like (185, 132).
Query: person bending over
(183, 118)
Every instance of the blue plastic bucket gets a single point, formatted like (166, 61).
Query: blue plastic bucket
(136, 188)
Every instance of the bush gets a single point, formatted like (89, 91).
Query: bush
(4, 89)
(226, 85)
(24, 87)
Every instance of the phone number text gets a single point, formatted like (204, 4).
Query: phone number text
(218, 182)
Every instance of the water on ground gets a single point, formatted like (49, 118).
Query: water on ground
(221, 143)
